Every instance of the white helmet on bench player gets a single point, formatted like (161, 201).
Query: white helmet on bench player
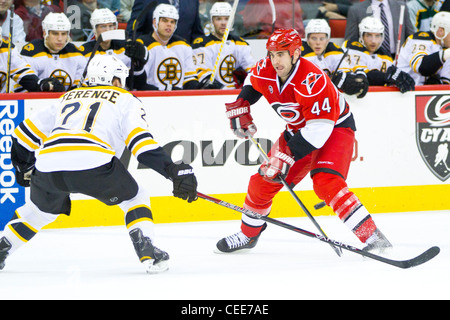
(317, 26)
(440, 20)
(104, 68)
(56, 22)
(102, 16)
(165, 11)
(370, 24)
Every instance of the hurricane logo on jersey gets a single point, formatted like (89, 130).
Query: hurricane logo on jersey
(433, 133)
(311, 80)
(62, 76)
(169, 72)
(288, 112)
(226, 68)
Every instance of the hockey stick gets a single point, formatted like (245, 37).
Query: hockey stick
(294, 195)
(150, 6)
(404, 264)
(117, 34)
(399, 38)
(225, 37)
(10, 40)
(274, 14)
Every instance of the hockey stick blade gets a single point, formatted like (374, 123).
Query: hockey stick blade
(118, 34)
(404, 264)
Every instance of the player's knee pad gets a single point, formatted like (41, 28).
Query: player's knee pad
(327, 185)
(141, 198)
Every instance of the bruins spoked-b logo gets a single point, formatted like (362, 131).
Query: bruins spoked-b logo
(433, 133)
(63, 77)
(226, 68)
(169, 72)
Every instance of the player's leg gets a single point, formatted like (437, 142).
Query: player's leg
(139, 222)
(260, 194)
(114, 185)
(29, 219)
(329, 172)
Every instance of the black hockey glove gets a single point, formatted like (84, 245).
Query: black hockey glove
(23, 174)
(352, 83)
(205, 84)
(184, 181)
(403, 81)
(137, 52)
(51, 84)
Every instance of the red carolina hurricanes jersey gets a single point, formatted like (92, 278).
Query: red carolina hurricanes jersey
(307, 95)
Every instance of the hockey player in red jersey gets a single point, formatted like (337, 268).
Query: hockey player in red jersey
(318, 139)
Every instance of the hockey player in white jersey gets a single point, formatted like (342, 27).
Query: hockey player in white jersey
(55, 56)
(105, 20)
(169, 65)
(328, 56)
(74, 145)
(367, 55)
(22, 75)
(236, 58)
(426, 55)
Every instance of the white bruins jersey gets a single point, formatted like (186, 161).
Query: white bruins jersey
(169, 66)
(328, 61)
(67, 66)
(85, 128)
(359, 58)
(116, 49)
(236, 53)
(413, 50)
(19, 67)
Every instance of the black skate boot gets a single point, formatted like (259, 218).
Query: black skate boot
(155, 260)
(238, 241)
(377, 242)
(5, 245)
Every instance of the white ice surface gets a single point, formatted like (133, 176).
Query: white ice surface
(100, 263)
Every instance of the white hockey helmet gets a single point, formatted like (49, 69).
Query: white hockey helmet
(317, 26)
(165, 11)
(372, 25)
(220, 9)
(104, 68)
(102, 16)
(56, 22)
(440, 20)
(1, 37)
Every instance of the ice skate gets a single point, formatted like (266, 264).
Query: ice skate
(154, 259)
(4, 251)
(237, 241)
(377, 242)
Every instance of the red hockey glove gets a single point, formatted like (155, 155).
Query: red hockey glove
(241, 121)
(278, 166)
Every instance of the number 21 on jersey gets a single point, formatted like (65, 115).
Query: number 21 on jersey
(86, 120)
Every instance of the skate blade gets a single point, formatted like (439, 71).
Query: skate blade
(153, 268)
